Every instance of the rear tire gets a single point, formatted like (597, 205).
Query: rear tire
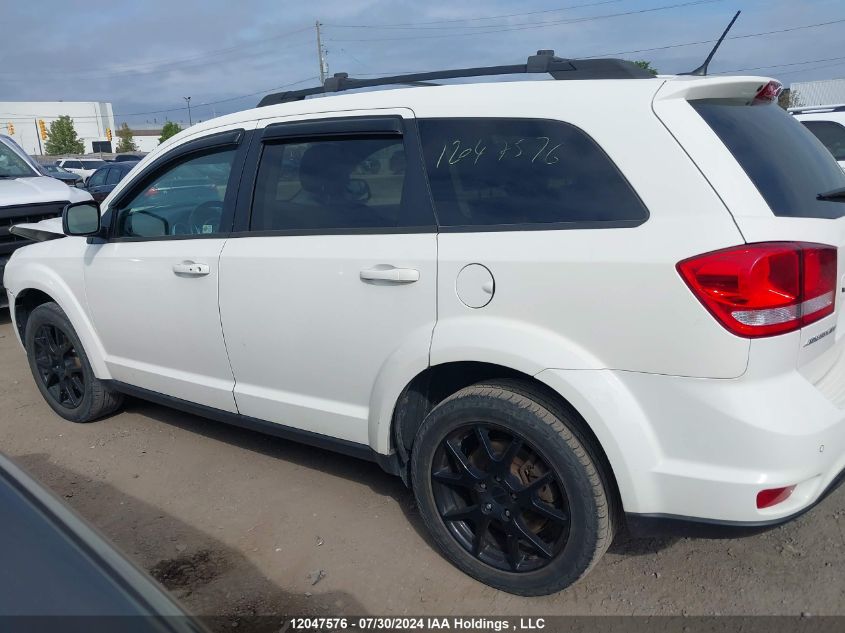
(61, 369)
(509, 489)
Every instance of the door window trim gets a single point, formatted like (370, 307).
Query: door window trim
(209, 144)
(341, 128)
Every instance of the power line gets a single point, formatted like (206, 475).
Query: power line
(528, 26)
(809, 61)
(489, 17)
(732, 37)
(161, 64)
(18, 117)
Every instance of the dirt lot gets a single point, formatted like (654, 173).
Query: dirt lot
(239, 524)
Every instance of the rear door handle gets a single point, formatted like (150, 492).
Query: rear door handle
(391, 275)
(191, 269)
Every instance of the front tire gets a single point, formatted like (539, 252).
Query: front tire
(509, 489)
(61, 369)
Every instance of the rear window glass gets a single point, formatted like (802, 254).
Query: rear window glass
(498, 172)
(786, 163)
(831, 134)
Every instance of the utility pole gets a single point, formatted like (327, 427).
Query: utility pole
(321, 58)
(38, 136)
(188, 99)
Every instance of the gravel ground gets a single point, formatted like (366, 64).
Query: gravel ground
(239, 524)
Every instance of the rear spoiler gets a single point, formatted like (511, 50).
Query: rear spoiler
(689, 88)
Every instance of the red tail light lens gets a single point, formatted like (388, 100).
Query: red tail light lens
(768, 93)
(765, 289)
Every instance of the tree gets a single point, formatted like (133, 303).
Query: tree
(62, 138)
(646, 66)
(170, 128)
(127, 143)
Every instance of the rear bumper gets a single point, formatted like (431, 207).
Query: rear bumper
(691, 450)
(655, 525)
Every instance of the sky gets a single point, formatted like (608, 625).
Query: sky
(145, 56)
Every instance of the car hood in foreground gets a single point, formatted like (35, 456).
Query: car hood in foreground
(18, 191)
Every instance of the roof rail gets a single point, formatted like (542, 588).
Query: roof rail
(822, 109)
(543, 62)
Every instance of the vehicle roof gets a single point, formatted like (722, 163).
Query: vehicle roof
(525, 98)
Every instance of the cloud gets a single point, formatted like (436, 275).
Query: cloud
(145, 56)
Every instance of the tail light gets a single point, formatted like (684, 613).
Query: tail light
(765, 289)
(768, 93)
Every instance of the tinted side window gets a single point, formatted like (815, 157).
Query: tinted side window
(831, 134)
(72, 164)
(350, 183)
(186, 198)
(115, 175)
(97, 178)
(788, 165)
(487, 172)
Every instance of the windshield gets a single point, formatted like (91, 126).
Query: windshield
(787, 164)
(12, 165)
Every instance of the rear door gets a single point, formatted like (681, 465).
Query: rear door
(328, 284)
(769, 169)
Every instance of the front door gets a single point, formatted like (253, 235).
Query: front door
(331, 285)
(153, 287)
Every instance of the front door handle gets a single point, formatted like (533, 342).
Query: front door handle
(392, 275)
(191, 269)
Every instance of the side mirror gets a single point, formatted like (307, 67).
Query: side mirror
(81, 218)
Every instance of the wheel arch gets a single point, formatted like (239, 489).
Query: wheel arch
(437, 382)
(48, 287)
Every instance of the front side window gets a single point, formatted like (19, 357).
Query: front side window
(352, 183)
(831, 134)
(186, 198)
(72, 164)
(115, 174)
(98, 178)
(92, 164)
(501, 172)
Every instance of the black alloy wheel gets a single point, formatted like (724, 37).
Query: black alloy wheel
(59, 366)
(499, 498)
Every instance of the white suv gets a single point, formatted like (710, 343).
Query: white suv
(552, 307)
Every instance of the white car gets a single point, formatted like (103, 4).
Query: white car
(81, 166)
(27, 195)
(551, 307)
(827, 123)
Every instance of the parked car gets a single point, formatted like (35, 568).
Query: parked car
(59, 173)
(577, 305)
(83, 167)
(101, 183)
(26, 195)
(56, 566)
(827, 123)
(119, 158)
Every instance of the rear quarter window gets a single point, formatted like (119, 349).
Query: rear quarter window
(524, 173)
(788, 165)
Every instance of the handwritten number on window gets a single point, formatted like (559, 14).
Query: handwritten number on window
(510, 151)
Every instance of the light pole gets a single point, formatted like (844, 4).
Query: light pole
(188, 99)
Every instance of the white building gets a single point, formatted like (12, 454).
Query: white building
(145, 140)
(816, 93)
(91, 119)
